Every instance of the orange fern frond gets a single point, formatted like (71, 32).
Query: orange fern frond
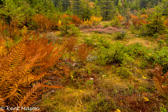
(70, 43)
(16, 55)
(83, 51)
(2, 101)
(27, 63)
(160, 80)
(29, 94)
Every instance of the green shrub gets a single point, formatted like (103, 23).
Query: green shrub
(115, 22)
(161, 57)
(137, 49)
(160, 43)
(143, 64)
(115, 53)
(69, 29)
(102, 104)
(89, 41)
(97, 40)
(121, 34)
(142, 89)
(124, 72)
(106, 25)
(132, 29)
(156, 35)
(102, 42)
(155, 26)
(155, 21)
(66, 27)
(143, 30)
(74, 31)
(163, 109)
(102, 55)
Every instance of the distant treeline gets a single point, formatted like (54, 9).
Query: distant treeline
(83, 8)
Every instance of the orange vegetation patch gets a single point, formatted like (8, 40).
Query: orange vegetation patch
(121, 18)
(166, 22)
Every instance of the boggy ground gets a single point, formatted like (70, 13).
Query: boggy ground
(90, 86)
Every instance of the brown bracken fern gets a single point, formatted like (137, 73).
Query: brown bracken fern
(43, 22)
(83, 52)
(161, 80)
(23, 68)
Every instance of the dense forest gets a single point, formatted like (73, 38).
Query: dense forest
(84, 55)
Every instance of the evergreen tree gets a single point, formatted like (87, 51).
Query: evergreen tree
(60, 6)
(17, 10)
(120, 6)
(76, 6)
(156, 21)
(165, 7)
(107, 9)
(82, 8)
(97, 10)
(66, 5)
(136, 5)
(86, 9)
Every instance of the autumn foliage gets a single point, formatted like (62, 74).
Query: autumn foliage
(76, 20)
(92, 21)
(43, 22)
(95, 19)
(83, 52)
(9, 30)
(70, 43)
(23, 67)
(71, 19)
(166, 23)
(161, 80)
(120, 18)
(135, 20)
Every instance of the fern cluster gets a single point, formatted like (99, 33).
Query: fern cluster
(22, 68)
(161, 80)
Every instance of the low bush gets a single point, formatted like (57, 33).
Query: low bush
(121, 34)
(43, 22)
(156, 36)
(124, 72)
(11, 30)
(106, 26)
(76, 20)
(137, 50)
(102, 42)
(115, 53)
(102, 55)
(161, 43)
(161, 57)
(132, 29)
(95, 20)
(89, 42)
(143, 30)
(68, 29)
(87, 23)
(116, 22)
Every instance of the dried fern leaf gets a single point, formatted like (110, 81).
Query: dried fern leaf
(2, 101)
(29, 94)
